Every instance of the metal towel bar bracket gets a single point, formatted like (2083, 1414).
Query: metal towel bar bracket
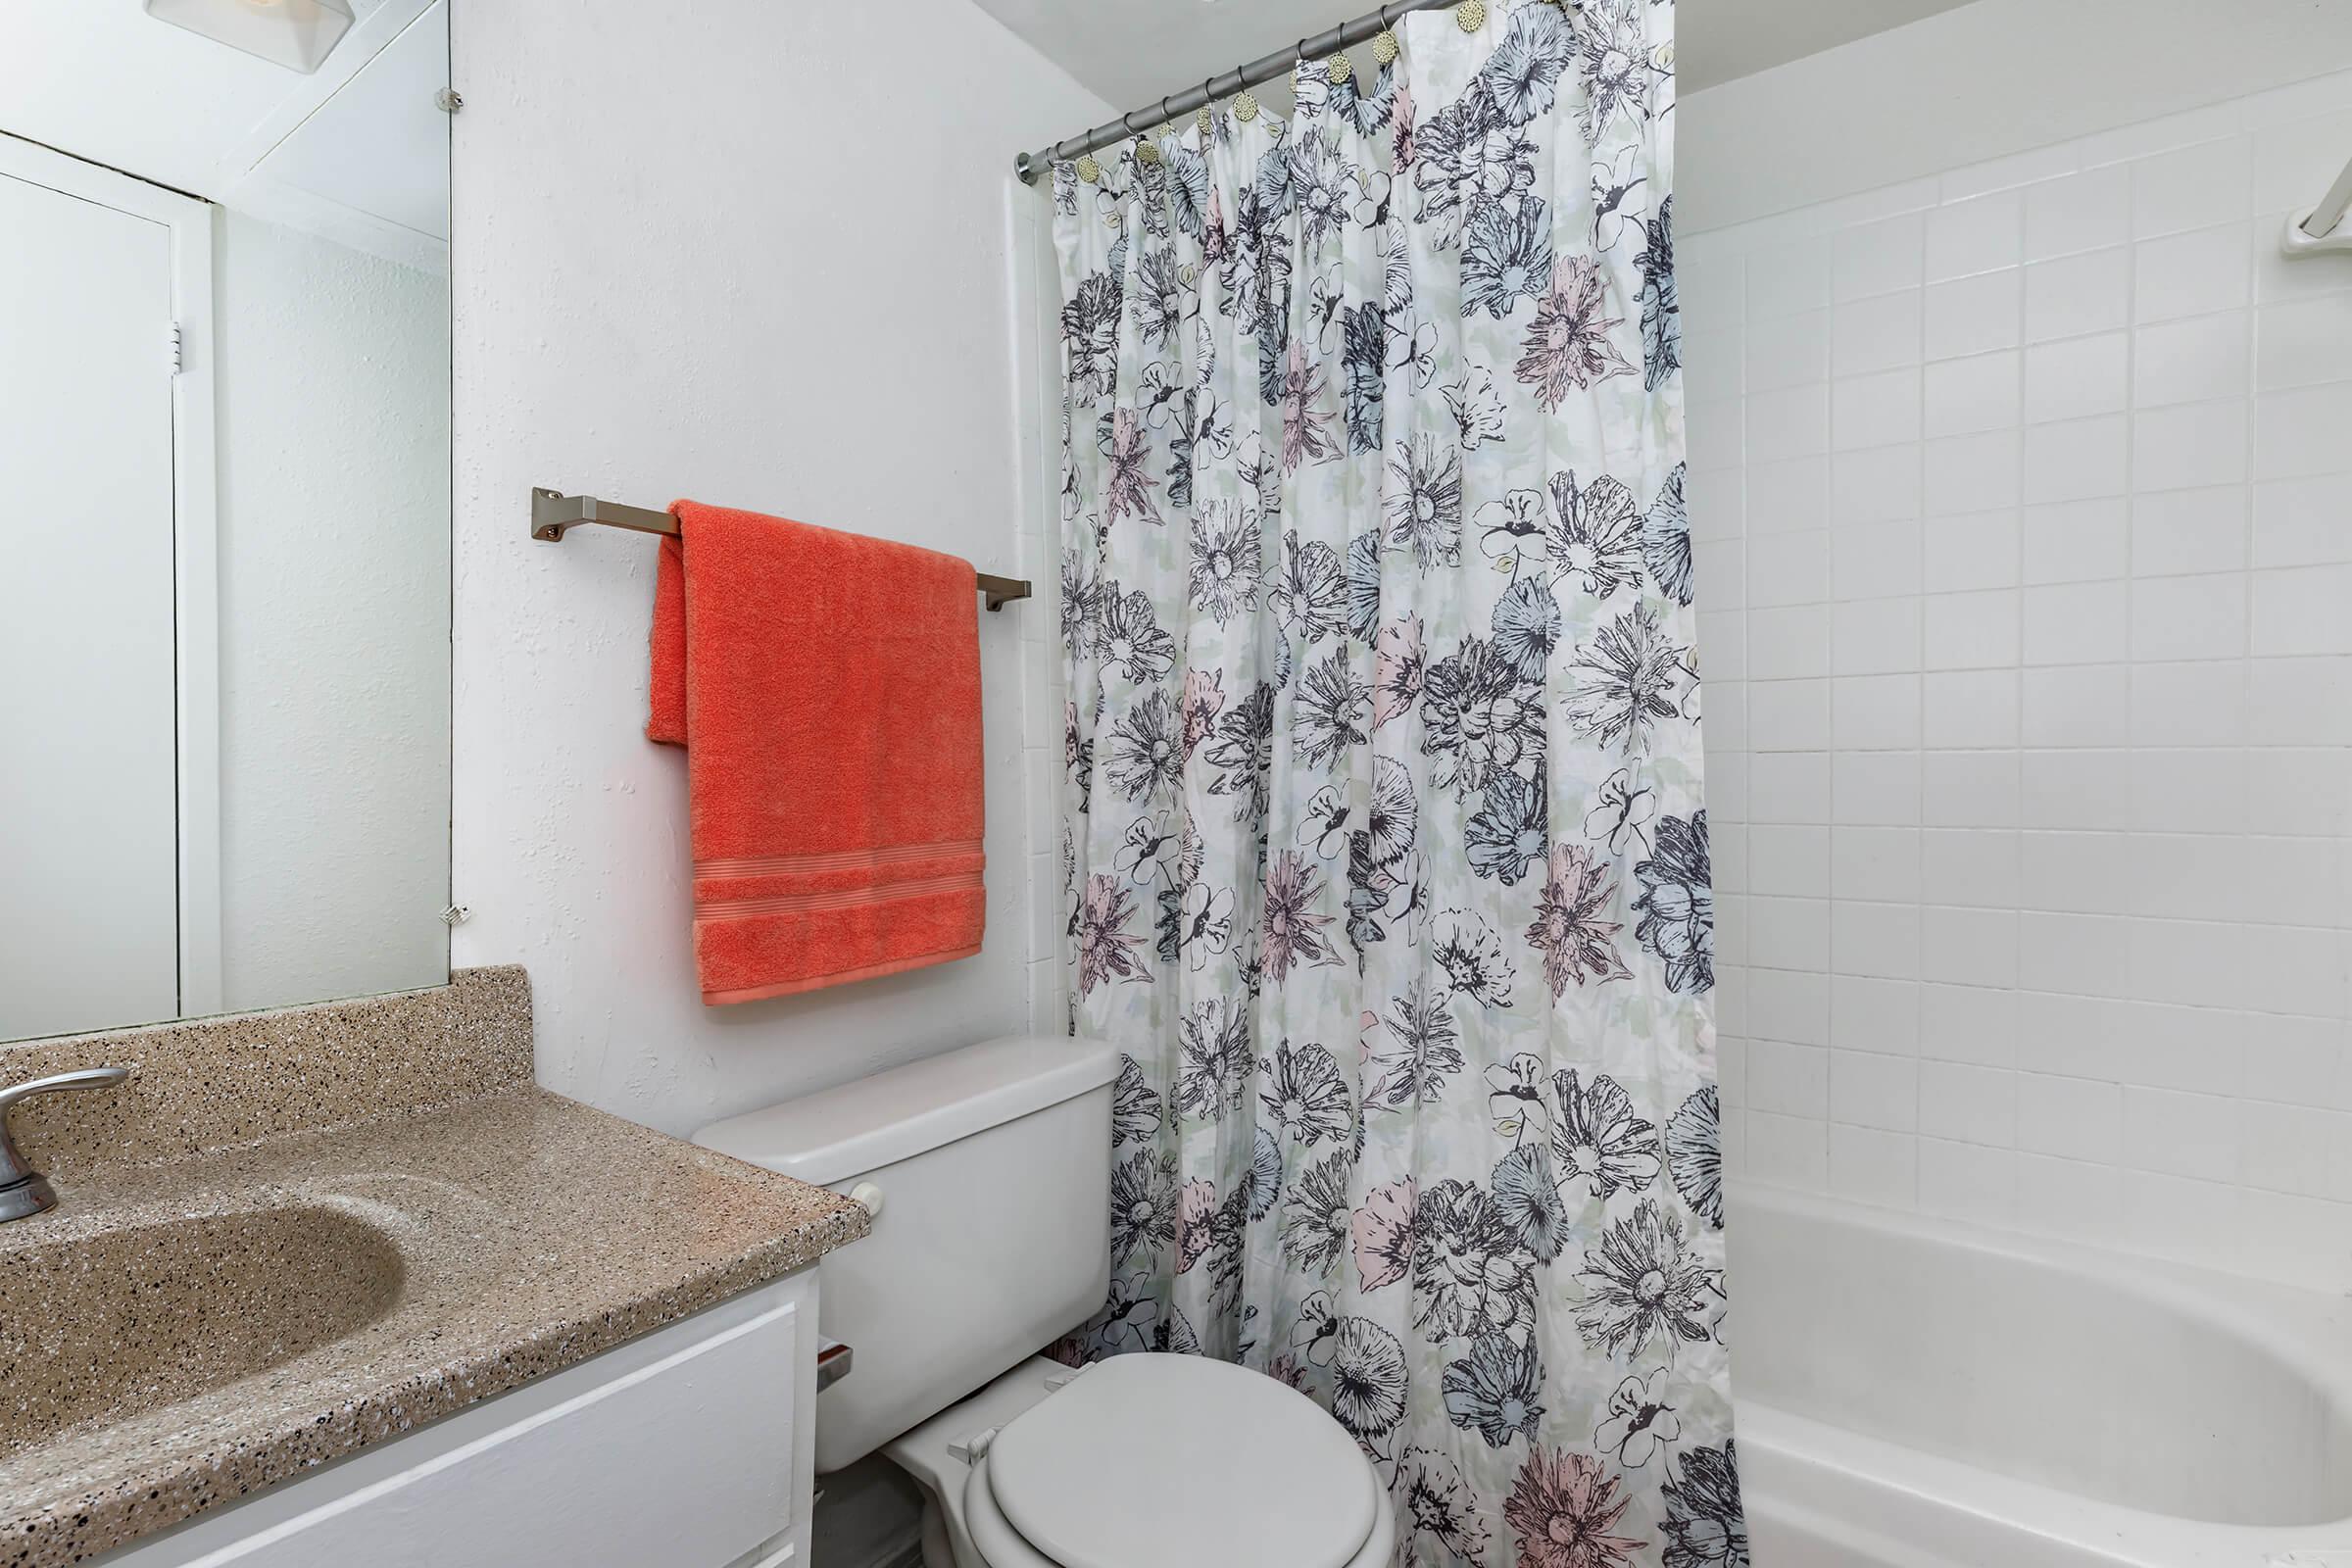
(555, 514)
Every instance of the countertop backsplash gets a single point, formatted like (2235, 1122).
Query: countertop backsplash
(211, 1084)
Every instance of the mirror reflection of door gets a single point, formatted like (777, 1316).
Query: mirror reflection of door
(224, 597)
(89, 924)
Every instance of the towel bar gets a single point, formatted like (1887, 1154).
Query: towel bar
(555, 514)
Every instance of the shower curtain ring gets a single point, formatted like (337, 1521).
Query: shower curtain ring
(1147, 145)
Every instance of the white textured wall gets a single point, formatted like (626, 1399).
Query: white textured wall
(2023, 496)
(1037, 392)
(332, 405)
(754, 254)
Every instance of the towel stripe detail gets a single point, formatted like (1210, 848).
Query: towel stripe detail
(838, 898)
(836, 860)
(864, 971)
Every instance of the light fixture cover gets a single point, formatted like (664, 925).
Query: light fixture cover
(296, 33)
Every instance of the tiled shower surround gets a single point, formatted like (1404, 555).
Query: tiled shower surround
(2025, 496)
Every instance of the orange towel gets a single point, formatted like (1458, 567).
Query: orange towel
(826, 688)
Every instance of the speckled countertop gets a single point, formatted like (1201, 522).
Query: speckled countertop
(327, 1288)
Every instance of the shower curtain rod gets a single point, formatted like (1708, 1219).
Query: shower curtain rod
(1347, 36)
(2327, 228)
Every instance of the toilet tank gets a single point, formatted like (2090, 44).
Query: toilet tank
(993, 1236)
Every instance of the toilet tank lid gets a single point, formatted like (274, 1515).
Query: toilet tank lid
(831, 1136)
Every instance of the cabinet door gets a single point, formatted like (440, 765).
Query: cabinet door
(675, 1451)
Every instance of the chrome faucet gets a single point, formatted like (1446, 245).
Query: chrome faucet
(24, 1190)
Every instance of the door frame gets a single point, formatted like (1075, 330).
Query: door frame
(195, 536)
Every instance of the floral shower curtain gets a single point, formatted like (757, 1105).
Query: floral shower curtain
(1386, 853)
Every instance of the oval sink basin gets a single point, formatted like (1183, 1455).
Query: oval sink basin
(110, 1323)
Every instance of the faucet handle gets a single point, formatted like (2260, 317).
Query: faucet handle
(82, 1078)
(24, 1191)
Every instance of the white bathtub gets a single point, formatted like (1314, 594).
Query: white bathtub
(1916, 1394)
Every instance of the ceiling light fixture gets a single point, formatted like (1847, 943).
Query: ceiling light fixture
(298, 34)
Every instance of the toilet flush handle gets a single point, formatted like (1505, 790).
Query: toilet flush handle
(867, 1197)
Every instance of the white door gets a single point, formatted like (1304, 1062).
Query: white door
(89, 776)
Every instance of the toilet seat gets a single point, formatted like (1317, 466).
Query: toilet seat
(1002, 1547)
(1171, 1461)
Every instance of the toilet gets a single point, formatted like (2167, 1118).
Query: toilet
(987, 1170)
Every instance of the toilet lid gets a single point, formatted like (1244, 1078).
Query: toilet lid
(1174, 1461)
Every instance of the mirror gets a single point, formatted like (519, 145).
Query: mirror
(224, 373)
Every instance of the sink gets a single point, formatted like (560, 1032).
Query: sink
(108, 1323)
(195, 1325)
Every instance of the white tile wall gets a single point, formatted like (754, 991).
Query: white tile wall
(2024, 521)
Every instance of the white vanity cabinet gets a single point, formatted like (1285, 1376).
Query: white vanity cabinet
(692, 1447)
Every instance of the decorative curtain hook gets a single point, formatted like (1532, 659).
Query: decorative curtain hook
(1127, 123)
(1146, 149)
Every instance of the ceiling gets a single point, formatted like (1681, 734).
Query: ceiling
(356, 152)
(1133, 51)
(1717, 40)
